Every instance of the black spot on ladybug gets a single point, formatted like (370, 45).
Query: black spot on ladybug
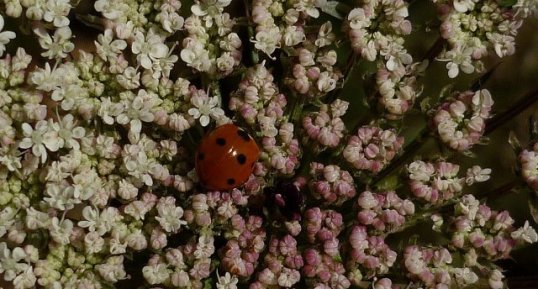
(242, 159)
(221, 141)
(201, 156)
(230, 181)
(243, 134)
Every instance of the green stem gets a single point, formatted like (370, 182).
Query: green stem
(253, 54)
(523, 104)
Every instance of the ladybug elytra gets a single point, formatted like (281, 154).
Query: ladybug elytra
(225, 158)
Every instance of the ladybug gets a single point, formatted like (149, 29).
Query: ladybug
(225, 158)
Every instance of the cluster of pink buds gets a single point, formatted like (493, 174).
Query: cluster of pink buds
(434, 182)
(324, 271)
(323, 226)
(331, 184)
(314, 74)
(489, 232)
(281, 153)
(529, 166)
(261, 105)
(258, 96)
(372, 148)
(214, 207)
(370, 252)
(432, 267)
(460, 123)
(398, 89)
(383, 211)
(246, 241)
(325, 127)
(439, 182)
(281, 265)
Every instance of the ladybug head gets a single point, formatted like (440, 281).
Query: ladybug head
(288, 197)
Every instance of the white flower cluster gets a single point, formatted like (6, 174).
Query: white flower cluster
(182, 267)
(474, 28)
(5, 36)
(211, 46)
(280, 24)
(386, 40)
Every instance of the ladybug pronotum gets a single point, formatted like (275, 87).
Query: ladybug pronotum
(225, 158)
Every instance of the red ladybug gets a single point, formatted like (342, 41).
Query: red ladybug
(225, 158)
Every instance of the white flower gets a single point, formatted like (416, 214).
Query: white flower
(9, 265)
(205, 247)
(170, 21)
(39, 138)
(5, 36)
(169, 215)
(267, 40)
(477, 175)
(112, 270)
(136, 111)
(44, 78)
(164, 65)
(465, 276)
(458, 58)
(9, 157)
(227, 281)
(107, 47)
(288, 277)
(61, 230)
(91, 217)
(463, 6)
(148, 48)
(267, 125)
(56, 11)
(420, 171)
(156, 274)
(195, 55)
(140, 167)
(34, 219)
(93, 243)
(414, 262)
(357, 19)
(126, 190)
(111, 9)
(7, 219)
(205, 108)
(137, 240)
(495, 280)
(26, 279)
(525, 233)
(68, 133)
(56, 46)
